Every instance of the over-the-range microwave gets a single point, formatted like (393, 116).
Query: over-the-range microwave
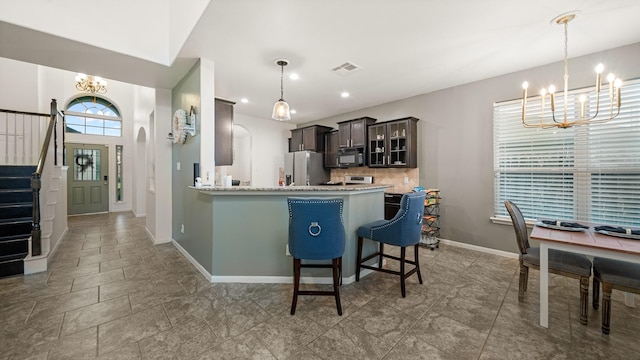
(349, 157)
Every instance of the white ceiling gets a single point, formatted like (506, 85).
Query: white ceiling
(405, 47)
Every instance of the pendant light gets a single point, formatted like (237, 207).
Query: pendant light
(281, 108)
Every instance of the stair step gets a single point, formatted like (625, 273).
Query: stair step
(14, 237)
(15, 226)
(14, 249)
(15, 182)
(17, 170)
(11, 267)
(10, 196)
(16, 210)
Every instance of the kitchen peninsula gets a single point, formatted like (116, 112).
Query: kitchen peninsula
(240, 234)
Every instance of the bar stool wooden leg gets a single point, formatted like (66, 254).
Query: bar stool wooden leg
(296, 284)
(403, 251)
(336, 283)
(417, 260)
(381, 256)
(359, 259)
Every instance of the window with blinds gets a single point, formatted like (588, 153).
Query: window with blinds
(588, 172)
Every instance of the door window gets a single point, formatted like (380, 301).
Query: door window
(86, 164)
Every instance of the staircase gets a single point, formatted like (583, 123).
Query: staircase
(15, 217)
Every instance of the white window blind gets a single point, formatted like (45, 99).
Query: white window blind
(588, 173)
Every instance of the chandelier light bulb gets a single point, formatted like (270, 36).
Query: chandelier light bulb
(552, 89)
(525, 85)
(543, 92)
(599, 68)
(611, 77)
(617, 83)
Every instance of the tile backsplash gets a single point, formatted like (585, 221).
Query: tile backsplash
(394, 176)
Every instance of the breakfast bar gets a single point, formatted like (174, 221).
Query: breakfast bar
(240, 234)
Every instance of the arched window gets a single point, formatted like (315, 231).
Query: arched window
(92, 115)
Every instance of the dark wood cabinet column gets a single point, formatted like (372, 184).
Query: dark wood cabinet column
(223, 132)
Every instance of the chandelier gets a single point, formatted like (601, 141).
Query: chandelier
(281, 108)
(586, 116)
(90, 83)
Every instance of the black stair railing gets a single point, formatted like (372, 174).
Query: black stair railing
(36, 182)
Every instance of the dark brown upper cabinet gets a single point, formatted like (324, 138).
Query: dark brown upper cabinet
(223, 132)
(393, 143)
(353, 133)
(331, 149)
(308, 138)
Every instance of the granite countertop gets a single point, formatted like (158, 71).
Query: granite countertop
(292, 188)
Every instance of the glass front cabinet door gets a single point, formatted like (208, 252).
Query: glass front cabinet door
(393, 143)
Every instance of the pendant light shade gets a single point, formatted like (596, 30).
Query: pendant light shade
(281, 111)
(281, 108)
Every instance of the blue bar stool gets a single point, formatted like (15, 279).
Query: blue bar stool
(316, 232)
(403, 230)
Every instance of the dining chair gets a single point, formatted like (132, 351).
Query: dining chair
(402, 230)
(316, 232)
(563, 263)
(613, 274)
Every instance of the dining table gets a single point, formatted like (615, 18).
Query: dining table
(583, 241)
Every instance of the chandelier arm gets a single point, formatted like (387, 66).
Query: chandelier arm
(606, 119)
(553, 116)
(597, 107)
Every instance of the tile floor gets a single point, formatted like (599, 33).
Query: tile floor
(111, 294)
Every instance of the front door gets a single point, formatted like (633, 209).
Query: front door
(88, 185)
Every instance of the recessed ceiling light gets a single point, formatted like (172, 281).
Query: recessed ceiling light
(293, 111)
(244, 100)
(294, 76)
(344, 94)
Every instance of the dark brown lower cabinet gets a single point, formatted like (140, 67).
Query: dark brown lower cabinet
(391, 205)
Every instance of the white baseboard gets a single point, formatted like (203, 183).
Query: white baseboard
(52, 252)
(153, 238)
(480, 249)
(263, 279)
(34, 264)
(40, 263)
(324, 280)
(314, 280)
(202, 270)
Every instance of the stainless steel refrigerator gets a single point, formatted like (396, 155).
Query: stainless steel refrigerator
(304, 168)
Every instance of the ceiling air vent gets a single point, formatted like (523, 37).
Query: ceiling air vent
(346, 68)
